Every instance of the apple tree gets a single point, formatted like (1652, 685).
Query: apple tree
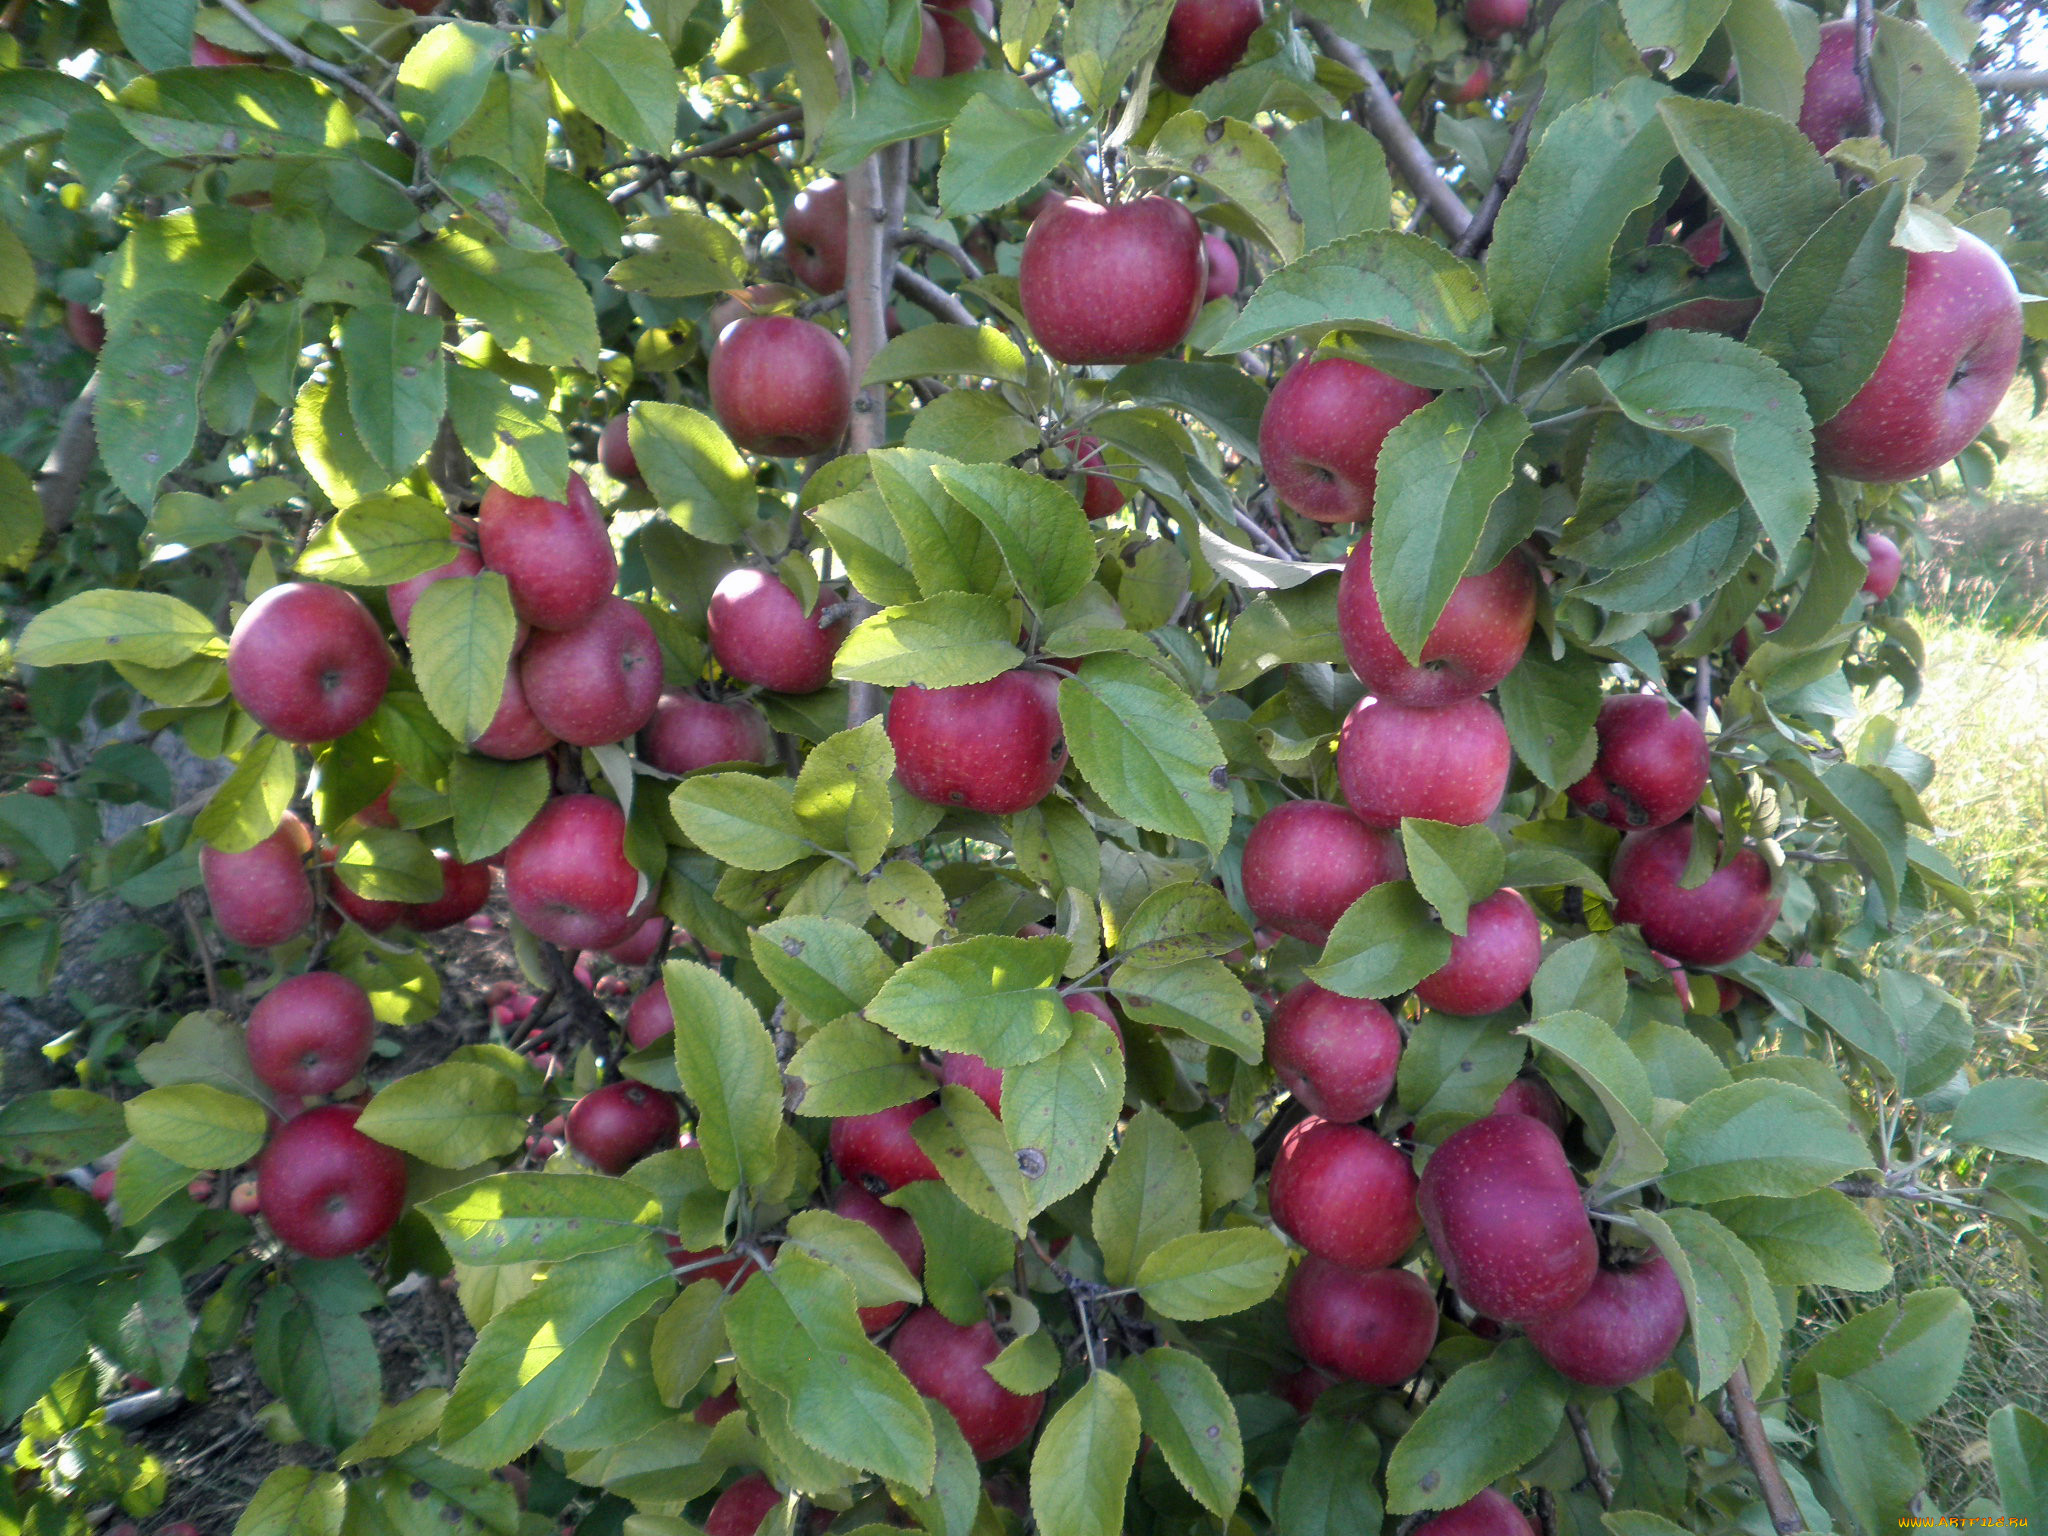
(1198, 678)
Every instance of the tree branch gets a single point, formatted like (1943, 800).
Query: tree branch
(1511, 163)
(332, 73)
(929, 296)
(1745, 1426)
(1596, 1472)
(1866, 39)
(1406, 152)
(911, 235)
(71, 458)
(2018, 81)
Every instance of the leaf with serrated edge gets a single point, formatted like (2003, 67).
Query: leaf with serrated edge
(1084, 1459)
(1491, 1418)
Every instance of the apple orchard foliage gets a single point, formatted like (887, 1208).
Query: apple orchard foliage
(398, 262)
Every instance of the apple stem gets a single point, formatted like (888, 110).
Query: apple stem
(1511, 164)
(1376, 107)
(1745, 1426)
(1596, 1471)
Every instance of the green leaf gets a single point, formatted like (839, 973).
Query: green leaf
(2019, 1455)
(1832, 311)
(147, 412)
(1381, 282)
(973, 1156)
(1039, 528)
(1212, 1274)
(1338, 180)
(324, 433)
(1059, 1112)
(857, 1251)
(693, 470)
(386, 864)
(313, 1349)
(947, 548)
(1870, 1456)
(740, 819)
(906, 897)
(1146, 748)
(1385, 942)
(520, 1218)
(515, 441)
(1453, 1069)
(1592, 1049)
(252, 800)
(995, 154)
(1758, 1137)
(1085, 1456)
(1761, 172)
(537, 1360)
(378, 542)
(461, 639)
(1452, 867)
(680, 254)
(295, 1501)
(1151, 1195)
(1727, 1294)
(1930, 106)
(533, 305)
(1202, 998)
(59, 1129)
(442, 80)
(1773, 47)
(824, 969)
(987, 994)
(21, 511)
(1549, 708)
(1182, 921)
(1185, 1410)
(1737, 405)
(1276, 628)
(1818, 1239)
(617, 75)
(158, 32)
(727, 1063)
(397, 385)
(1642, 495)
(843, 793)
(1321, 1493)
(1598, 162)
(1440, 470)
(1238, 163)
(977, 352)
(1587, 975)
(852, 1068)
(941, 642)
(198, 1125)
(45, 1340)
(1677, 28)
(2006, 1114)
(454, 1115)
(1908, 1354)
(1104, 40)
(689, 1336)
(1491, 1418)
(795, 1330)
(493, 801)
(964, 1254)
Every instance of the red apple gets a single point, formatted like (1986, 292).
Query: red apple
(1768, 623)
(1507, 1219)
(310, 1034)
(688, 733)
(996, 747)
(1477, 82)
(1344, 1193)
(369, 913)
(1100, 494)
(1942, 376)
(206, 55)
(1489, 19)
(261, 896)
(308, 662)
(1714, 923)
(1652, 767)
(962, 24)
(327, 1189)
(1204, 41)
(714, 1408)
(1224, 271)
(781, 387)
(1731, 317)
(1884, 563)
(1371, 1325)
(761, 634)
(971, 1072)
(615, 449)
(556, 556)
(1112, 285)
(754, 299)
(894, 1227)
(1322, 431)
(1489, 1512)
(567, 876)
(1093, 1004)
(515, 731)
(879, 1150)
(931, 49)
(1300, 1389)
(43, 785)
(613, 1127)
(1492, 962)
(464, 890)
(85, 326)
(1476, 642)
(1308, 860)
(1833, 107)
(1448, 764)
(1621, 1330)
(646, 941)
(404, 594)
(814, 235)
(1336, 1054)
(595, 683)
(650, 1018)
(949, 1363)
(1535, 1098)
(743, 1507)
(246, 1199)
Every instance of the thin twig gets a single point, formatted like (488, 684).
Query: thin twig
(200, 948)
(1866, 40)
(910, 234)
(1596, 1472)
(1259, 536)
(1745, 1426)
(1406, 152)
(333, 73)
(1511, 163)
(2018, 81)
(929, 296)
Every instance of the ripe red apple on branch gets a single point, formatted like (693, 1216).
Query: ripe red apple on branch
(308, 662)
(1306, 861)
(1204, 41)
(1336, 1054)
(949, 1364)
(1345, 1193)
(1370, 1325)
(310, 1034)
(780, 386)
(1449, 764)
(1475, 642)
(1718, 921)
(761, 634)
(995, 747)
(1652, 766)
(1506, 1219)
(555, 556)
(1112, 285)
(1321, 434)
(327, 1189)
(261, 896)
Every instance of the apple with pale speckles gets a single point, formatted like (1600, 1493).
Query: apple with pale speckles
(1449, 764)
(1507, 1219)
(1336, 1054)
(1492, 962)
(1307, 860)
(1345, 1193)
